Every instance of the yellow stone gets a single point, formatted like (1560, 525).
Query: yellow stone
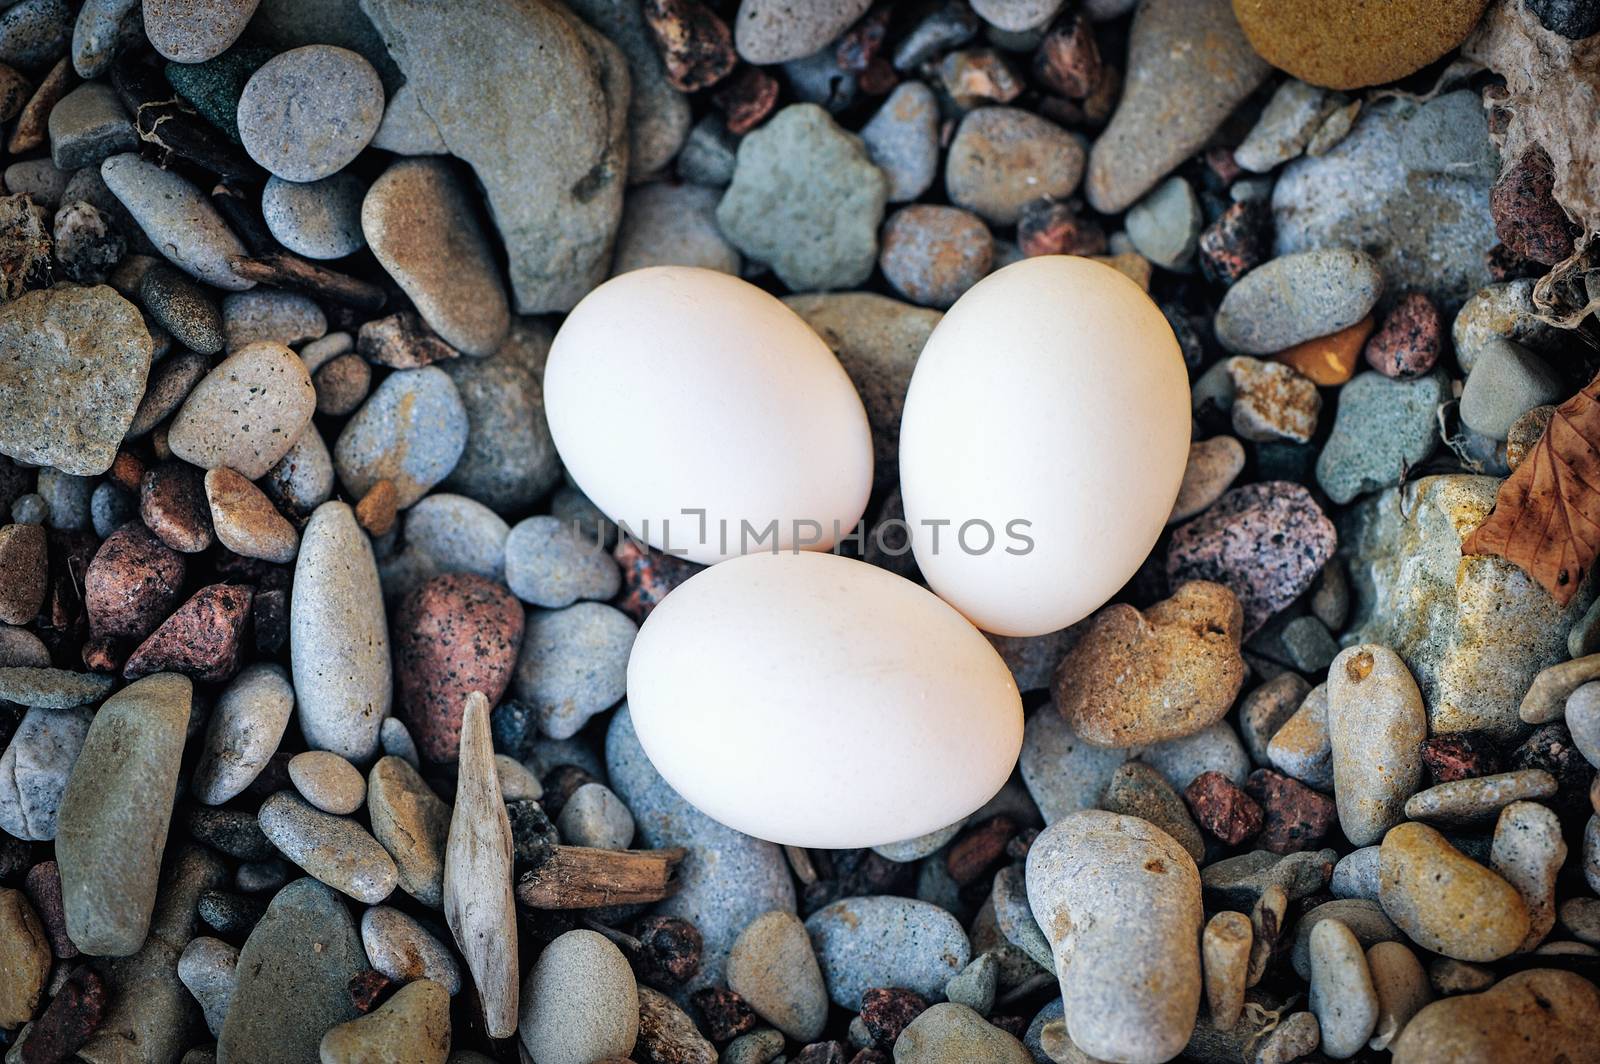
(24, 960)
(1133, 266)
(1329, 360)
(1444, 900)
(1348, 44)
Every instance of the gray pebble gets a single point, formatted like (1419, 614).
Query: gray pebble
(110, 508)
(672, 225)
(49, 688)
(35, 767)
(1383, 426)
(1507, 380)
(246, 725)
(902, 138)
(446, 533)
(317, 219)
(658, 114)
(88, 124)
(1213, 749)
(908, 850)
(1003, 158)
(411, 823)
(874, 941)
(551, 564)
(1063, 773)
(1165, 225)
(1475, 801)
(207, 968)
(1365, 919)
(773, 967)
(178, 218)
(88, 244)
(1581, 916)
(192, 31)
(1401, 984)
(30, 509)
(1236, 882)
(396, 741)
(1583, 721)
(1139, 790)
(404, 950)
(1342, 996)
(573, 664)
(1376, 723)
(580, 1001)
(1501, 311)
(246, 413)
(67, 498)
(1014, 916)
(411, 430)
(1356, 875)
(766, 31)
(183, 308)
(406, 128)
(337, 851)
(1266, 709)
(34, 34)
(950, 1033)
(308, 112)
(1528, 852)
(103, 28)
(517, 782)
(757, 1047)
(1285, 127)
(327, 781)
(39, 180)
(975, 985)
(596, 817)
(709, 153)
(303, 478)
(1301, 748)
(1297, 297)
(280, 317)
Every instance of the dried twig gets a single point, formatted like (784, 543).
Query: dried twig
(288, 271)
(583, 877)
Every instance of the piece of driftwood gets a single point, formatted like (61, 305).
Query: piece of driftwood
(583, 877)
(165, 120)
(282, 270)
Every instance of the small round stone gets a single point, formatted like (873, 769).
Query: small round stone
(552, 563)
(404, 950)
(573, 664)
(932, 254)
(317, 219)
(878, 941)
(335, 850)
(183, 308)
(411, 430)
(1003, 158)
(309, 111)
(246, 521)
(247, 412)
(596, 817)
(580, 1002)
(192, 31)
(328, 781)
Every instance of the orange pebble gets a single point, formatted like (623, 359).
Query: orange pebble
(1329, 360)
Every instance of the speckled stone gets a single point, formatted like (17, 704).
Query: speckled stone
(328, 781)
(287, 318)
(1528, 851)
(950, 1033)
(87, 125)
(1212, 468)
(1120, 902)
(876, 941)
(1213, 749)
(34, 34)
(1539, 1014)
(445, 533)
(35, 767)
(1003, 158)
(303, 478)
(1445, 901)
(773, 967)
(1064, 773)
(573, 664)
(1376, 722)
(1475, 802)
(181, 306)
(1383, 426)
(1342, 996)
(245, 727)
(1272, 401)
(1297, 297)
(335, 850)
(246, 413)
(214, 86)
(103, 28)
(318, 219)
(412, 824)
(192, 31)
(411, 430)
(1138, 790)
(308, 112)
(208, 968)
(1344, 49)
(178, 218)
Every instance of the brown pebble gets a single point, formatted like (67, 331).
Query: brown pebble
(456, 634)
(1527, 217)
(560, 783)
(32, 129)
(401, 341)
(72, 1016)
(366, 988)
(1048, 227)
(1407, 343)
(1068, 59)
(245, 520)
(14, 92)
(671, 950)
(43, 887)
(1236, 243)
(746, 99)
(820, 1053)
(696, 45)
(981, 75)
(378, 508)
(341, 384)
(724, 1015)
(24, 572)
(1297, 817)
(202, 640)
(971, 855)
(132, 583)
(886, 1011)
(1458, 757)
(172, 504)
(1223, 809)
(127, 471)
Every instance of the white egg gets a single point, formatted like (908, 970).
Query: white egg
(706, 416)
(1043, 441)
(814, 700)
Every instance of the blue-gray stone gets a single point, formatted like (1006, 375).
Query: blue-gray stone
(411, 430)
(1384, 428)
(883, 940)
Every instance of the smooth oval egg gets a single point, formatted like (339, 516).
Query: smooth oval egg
(1043, 441)
(706, 417)
(814, 700)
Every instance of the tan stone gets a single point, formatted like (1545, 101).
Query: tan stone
(1349, 46)
(1536, 1015)
(246, 521)
(24, 959)
(1444, 900)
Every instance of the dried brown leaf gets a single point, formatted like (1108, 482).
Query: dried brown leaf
(1546, 516)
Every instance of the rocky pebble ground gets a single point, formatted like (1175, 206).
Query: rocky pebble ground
(313, 735)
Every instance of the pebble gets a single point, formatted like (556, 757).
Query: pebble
(208, 969)
(1014, 918)
(35, 767)
(1528, 852)
(1225, 951)
(412, 824)
(1552, 688)
(213, 87)
(456, 634)
(335, 850)
(24, 558)
(1271, 401)
(1407, 344)
(1502, 311)
(328, 781)
(303, 478)
(35, 33)
(774, 969)
(949, 1033)
(338, 637)
(1238, 882)
(192, 31)
(1265, 541)
(1506, 381)
(1319, 46)
(404, 950)
(1302, 748)
(245, 727)
(1213, 466)
(709, 153)
(88, 244)
(1286, 126)
(1213, 749)
(294, 978)
(1342, 996)
(308, 112)
(81, 357)
(1581, 916)
(875, 941)
(595, 816)
(1365, 919)
(1003, 158)
(975, 986)
(179, 305)
(1583, 720)
(552, 564)
(1265, 710)
(932, 254)
(1411, 182)
(1120, 901)
(667, 1033)
(423, 230)
(1138, 790)
(553, 188)
(1402, 988)
(1178, 50)
(246, 413)
(178, 218)
(1165, 225)
(87, 125)
(1356, 874)
(47, 688)
(805, 199)
(1445, 901)
(1062, 772)
(658, 114)
(132, 584)
(902, 139)
(103, 28)
(112, 823)
(573, 664)
(1539, 1014)
(580, 1002)
(286, 318)
(412, 1026)
(766, 32)
(411, 431)
(67, 498)
(446, 533)
(1297, 297)
(728, 879)
(1473, 802)
(44, 184)
(1376, 722)
(1136, 678)
(24, 957)
(1383, 428)
(245, 520)
(672, 225)
(110, 508)
(318, 219)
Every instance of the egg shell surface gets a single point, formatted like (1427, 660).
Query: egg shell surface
(671, 390)
(1049, 410)
(814, 700)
